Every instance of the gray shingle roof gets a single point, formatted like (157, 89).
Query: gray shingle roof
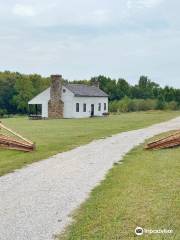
(82, 90)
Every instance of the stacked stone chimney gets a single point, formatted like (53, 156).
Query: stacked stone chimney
(55, 105)
(96, 83)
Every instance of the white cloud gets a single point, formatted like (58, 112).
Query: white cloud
(100, 16)
(84, 38)
(61, 13)
(24, 10)
(139, 4)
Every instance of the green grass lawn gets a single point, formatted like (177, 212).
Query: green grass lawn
(142, 191)
(53, 136)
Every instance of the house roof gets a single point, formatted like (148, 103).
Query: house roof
(82, 90)
(79, 90)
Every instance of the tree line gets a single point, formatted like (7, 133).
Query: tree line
(145, 95)
(17, 89)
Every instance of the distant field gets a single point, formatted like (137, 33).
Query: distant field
(143, 191)
(54, 136)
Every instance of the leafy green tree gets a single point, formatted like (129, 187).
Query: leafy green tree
(38, 83)
(24, 92)
(177, 96)
(16, 89)
(161, 103)
(169, 94)
(7, 91)
(122, 88)
(147, 87)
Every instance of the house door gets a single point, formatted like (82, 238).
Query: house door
(92, 110)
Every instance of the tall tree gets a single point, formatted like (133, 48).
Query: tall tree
(122, 88)
(146, 87)
(169, 94)
(24, 92)
(7, 91)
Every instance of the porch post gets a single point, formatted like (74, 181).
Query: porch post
(36, 109)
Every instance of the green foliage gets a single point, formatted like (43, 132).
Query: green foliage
(172, 105)
(24, 90)
(124, 105)
(7, 91)
(3, 112)
(145, 89)
(133, 105)
(113, 106)
(17, 89)
(123, 89)
(161, 103)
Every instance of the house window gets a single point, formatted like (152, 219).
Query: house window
(99, 107)
(84, 107)
(105, 106)
(77, 107)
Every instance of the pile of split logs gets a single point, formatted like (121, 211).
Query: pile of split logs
(16, 142)
(166, 142)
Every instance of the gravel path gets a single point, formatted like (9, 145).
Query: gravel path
(35, 202)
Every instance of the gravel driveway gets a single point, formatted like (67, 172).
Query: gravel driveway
(35, 202)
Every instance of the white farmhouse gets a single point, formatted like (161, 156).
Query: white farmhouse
(70, 100)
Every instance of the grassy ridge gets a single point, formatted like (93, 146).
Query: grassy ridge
(143, 191)
(53, 136)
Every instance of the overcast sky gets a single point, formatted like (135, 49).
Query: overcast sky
(84, 38)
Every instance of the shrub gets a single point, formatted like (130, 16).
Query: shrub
(131, 105)
(172, 105)
(113, 106)
(160, 104)
(3, 112)
(145, 105)
(124, 105)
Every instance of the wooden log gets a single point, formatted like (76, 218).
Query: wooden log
(174, 136)
(14, 133)
(11, 140)
(16, 148)
(6, 139)
(11, 143)
(4, 143)
(167, 142)
(166, 145)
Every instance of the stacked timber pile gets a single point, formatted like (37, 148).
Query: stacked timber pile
(16, 142)
(166, 142)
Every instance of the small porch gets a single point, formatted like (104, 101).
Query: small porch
(35, 111)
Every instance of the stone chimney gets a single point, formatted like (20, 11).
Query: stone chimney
(96, 83)
(55, 104)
